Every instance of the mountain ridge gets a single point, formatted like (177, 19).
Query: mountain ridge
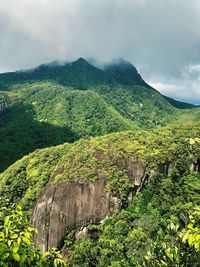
(81, 74)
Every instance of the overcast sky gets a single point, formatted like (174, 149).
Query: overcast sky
(160, 37)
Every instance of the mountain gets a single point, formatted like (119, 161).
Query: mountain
(125, 73)
(103, 165)
(55, 103)
(81, 74)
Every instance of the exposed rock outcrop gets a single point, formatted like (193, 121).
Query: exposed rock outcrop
(68, 206)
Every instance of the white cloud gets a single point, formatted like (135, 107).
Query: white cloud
(194, 68)
(182, 91)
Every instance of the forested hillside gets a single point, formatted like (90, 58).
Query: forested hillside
(42, 115)
(150, 229)
(101, 164)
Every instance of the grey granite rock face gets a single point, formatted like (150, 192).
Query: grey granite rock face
(68, 206)
(71, 205)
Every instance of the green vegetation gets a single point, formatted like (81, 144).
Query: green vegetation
(40, 115)
(17, 247)
(75, 122)
(144, 106)
(161, 227)
(53, 104)
(86, 158)
(23, 181)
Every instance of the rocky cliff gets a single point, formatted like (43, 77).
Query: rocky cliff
(67, 206)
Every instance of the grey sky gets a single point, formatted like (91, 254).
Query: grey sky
(160, 37)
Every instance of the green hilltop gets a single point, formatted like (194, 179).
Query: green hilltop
(23, 181)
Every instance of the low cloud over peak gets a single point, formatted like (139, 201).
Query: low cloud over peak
(161, 38)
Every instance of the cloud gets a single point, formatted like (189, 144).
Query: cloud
(182, 91)
(161, 38)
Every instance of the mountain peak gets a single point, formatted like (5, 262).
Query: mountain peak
(81, 60)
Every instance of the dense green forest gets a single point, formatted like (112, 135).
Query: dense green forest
(43, 114)
(152, 230)
(76, 123)
(80, 160)
(55, 103)
(159, 228)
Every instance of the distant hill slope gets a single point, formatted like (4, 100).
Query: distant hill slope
(146, 107)
(180, 104)
(42, 115)
(126, 74)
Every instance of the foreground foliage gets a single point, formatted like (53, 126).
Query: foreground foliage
(155, 230)
(16, 242)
